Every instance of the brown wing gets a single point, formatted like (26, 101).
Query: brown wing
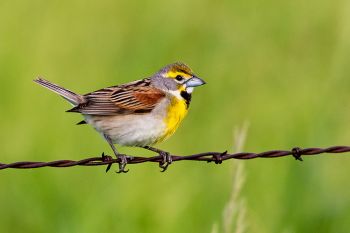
(133, 98)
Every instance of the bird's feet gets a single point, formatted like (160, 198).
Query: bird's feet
(123, 162)
(121, 159)
(167, 159)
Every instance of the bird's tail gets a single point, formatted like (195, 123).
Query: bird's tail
(72, 97)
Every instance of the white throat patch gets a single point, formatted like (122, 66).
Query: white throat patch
(189, 90)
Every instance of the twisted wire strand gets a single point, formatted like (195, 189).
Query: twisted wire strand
(217, 157)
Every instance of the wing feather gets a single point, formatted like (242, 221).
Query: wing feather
(133, 98)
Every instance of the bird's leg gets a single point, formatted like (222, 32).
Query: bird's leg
(123, 158)
(167, 159)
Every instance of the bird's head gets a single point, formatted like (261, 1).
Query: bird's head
(178, 77)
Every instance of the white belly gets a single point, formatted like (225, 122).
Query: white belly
(134, 130)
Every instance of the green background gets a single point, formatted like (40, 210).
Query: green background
(283, 66)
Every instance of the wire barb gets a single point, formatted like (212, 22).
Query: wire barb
(217, 157)
(106, 158)
(296, 153)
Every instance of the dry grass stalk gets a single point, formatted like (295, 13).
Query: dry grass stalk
(233, 216)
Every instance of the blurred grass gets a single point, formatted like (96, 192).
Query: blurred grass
(283, 66)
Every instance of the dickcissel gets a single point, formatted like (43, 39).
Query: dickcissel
(140, 113)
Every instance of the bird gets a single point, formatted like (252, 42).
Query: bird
(140, 113)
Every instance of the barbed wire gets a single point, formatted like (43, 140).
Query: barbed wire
(217, 157)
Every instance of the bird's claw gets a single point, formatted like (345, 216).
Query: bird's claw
(167, 160)
(123, 162)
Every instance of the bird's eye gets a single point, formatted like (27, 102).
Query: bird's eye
(179, 78)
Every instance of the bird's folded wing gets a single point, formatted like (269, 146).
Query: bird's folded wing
(120, 100)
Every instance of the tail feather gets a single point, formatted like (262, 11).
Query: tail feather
(72, 97)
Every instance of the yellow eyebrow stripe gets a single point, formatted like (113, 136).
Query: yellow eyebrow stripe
(173, 74)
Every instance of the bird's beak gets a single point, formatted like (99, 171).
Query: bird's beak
(194, 82)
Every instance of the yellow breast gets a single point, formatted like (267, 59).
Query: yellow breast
(176, 112)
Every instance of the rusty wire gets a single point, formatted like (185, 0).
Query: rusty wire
(216, 157)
